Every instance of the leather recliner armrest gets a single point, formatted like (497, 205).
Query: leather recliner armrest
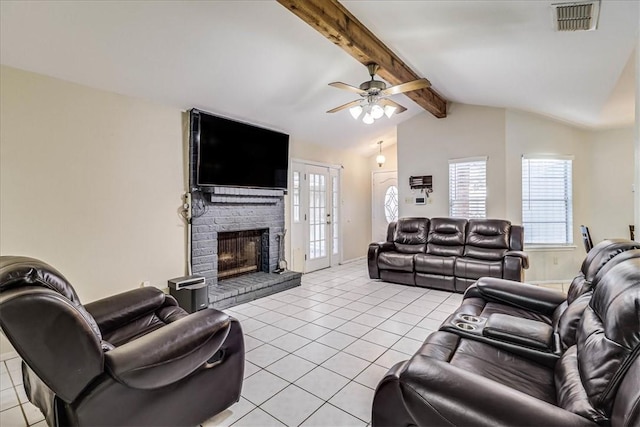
(522, 255)
(112, 312)
(372, 256)
(434, 391)
(169, 354)
(525, 332)
(517, 294)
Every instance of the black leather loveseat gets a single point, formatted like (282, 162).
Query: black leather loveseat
(448, 253)
(527, 356)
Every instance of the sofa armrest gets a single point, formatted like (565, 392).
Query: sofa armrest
(522, 295)
(514, 264)
(519, 331)
(112, 312)
(437, 393)
(372, 257)
(519, 254)
(170, 353)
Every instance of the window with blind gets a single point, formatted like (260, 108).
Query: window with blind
(468, 188)
(547, 200)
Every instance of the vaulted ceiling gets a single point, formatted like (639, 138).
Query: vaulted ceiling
(256, 61)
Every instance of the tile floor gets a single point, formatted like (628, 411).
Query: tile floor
(314, 354)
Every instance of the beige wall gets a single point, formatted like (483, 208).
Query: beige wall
(611, 167)
(90, 182)
(636, 136)
(425, 144)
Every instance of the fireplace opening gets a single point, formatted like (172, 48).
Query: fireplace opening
(240, 252)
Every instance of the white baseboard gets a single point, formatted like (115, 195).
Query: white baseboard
(353, 260)
(548, 282)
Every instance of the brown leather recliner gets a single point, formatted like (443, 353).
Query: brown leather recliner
(490, 296)
(135, 358)
(457, 380)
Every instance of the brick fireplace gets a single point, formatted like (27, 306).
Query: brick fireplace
(235, 238)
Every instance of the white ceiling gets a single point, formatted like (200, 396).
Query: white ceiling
(256, 61)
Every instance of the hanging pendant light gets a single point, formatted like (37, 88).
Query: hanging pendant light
(380, 159)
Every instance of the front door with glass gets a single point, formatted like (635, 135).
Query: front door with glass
(384, 203)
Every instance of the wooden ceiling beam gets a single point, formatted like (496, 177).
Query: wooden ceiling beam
(336, 23)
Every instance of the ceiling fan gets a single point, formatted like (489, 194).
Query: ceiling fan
(374, 102)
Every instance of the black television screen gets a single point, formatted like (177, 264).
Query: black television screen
(236, 154)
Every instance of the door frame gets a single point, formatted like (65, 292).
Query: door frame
(300, 165)
(373, 207)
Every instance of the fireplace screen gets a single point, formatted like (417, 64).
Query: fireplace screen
(239, 252)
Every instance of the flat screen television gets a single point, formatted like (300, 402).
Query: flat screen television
(236, 154)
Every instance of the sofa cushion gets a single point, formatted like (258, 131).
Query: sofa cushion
(571, 394)
(471, 268)
(410, 236)
(490, 362)
(435, 281)
(487, 239)
(435, 264)
(446, 236)
(395, 261)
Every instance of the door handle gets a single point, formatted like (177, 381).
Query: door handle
(328, 222)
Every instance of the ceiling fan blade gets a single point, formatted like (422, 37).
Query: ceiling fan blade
(399, 108)
(347, 105)
(406, 87)
(345, 86)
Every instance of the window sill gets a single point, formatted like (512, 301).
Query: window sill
(549, 248)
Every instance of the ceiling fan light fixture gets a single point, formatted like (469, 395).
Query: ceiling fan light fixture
(376, 111)
(373, 103)
(355, 111)
(389, 110)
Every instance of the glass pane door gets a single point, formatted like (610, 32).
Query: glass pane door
(319, 218)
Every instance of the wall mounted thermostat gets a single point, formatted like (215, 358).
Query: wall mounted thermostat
(420, 200)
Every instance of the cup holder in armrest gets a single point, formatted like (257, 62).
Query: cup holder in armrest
(465, 326)
(470, 318)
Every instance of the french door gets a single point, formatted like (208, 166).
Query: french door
(315, 218)
(384, 203)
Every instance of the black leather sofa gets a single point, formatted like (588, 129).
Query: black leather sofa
(135, 358)
(448, 253)
(529, 356)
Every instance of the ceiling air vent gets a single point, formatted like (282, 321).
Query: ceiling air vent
(580, 16)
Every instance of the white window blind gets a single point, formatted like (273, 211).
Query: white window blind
(468, 188)
(547, 200)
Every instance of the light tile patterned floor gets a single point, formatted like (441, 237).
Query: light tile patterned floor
(326, 345)
(314, 354)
